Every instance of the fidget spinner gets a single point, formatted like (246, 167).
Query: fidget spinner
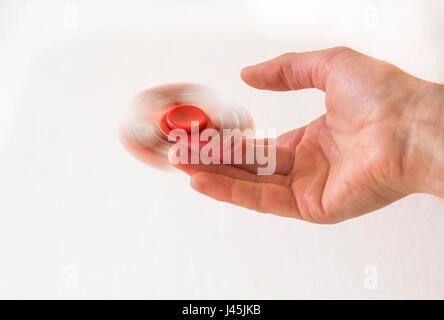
(158, 112)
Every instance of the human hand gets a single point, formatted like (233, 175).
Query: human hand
(381, 139)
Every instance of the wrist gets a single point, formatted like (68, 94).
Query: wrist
(424, 150)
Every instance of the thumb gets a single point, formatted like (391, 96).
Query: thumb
(293, 71)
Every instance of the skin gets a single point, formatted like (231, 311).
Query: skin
(381, 138)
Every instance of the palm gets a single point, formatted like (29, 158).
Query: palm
(332, 183)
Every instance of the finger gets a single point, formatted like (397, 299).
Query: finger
(263, 156)
(247, 172)
(293, 71)
(291, 139)
(235, 173)
(255, 156)
(262, 197)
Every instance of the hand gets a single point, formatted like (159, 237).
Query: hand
(380, 140)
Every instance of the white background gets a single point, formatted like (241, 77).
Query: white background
(80, 218)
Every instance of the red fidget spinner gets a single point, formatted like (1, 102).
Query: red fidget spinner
(158, 112)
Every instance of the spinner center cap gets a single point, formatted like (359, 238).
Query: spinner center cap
(182, 116)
